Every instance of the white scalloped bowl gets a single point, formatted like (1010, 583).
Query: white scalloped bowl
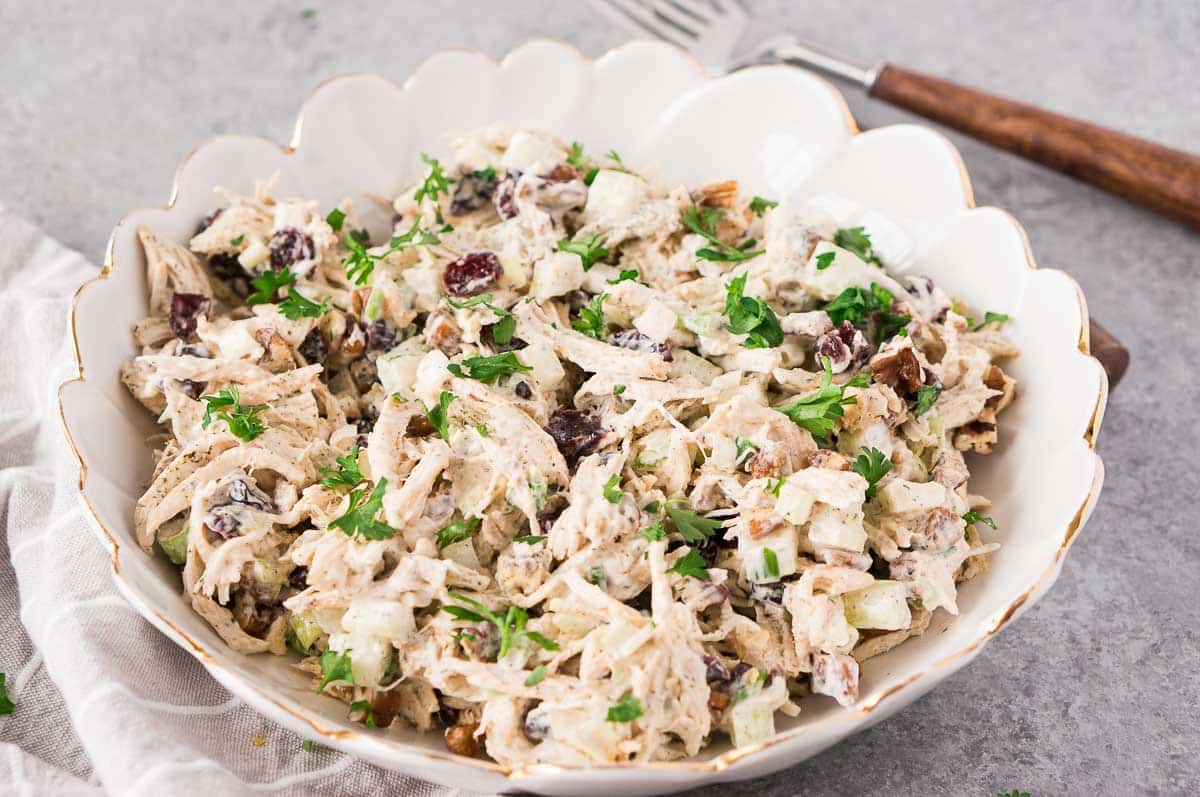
(778, 130)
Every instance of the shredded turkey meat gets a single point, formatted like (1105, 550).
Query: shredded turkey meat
(577, 466)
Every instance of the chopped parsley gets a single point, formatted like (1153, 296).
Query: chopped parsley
(743, 447)
(225, 405)
(690, 525)
(775, 485)
(268, 284)
(615, 158)
(751, 317)
(335, 219)
(612, 489)
(529, 539)
(872, 464)
(502, 330)
(360, 263)
(704, 223)
(759, 206)
(6, 705)
(926, 397)
(597, 576)
(992, 318)
(975, 517)
(577, 158)
(655, 531)
(296, 305)
(626, 274)
(618, 390)
(436, 183)
(483, 430)
(359, 519)
(536, 675)
(770, 563)
(488, 369)
(856, 304)
(485, 175)
(457, 531)
(238, 240)
(364, 708)
(589, 249)
(856, 240)
(692, 564)
(591, 318)
(438, 417)
(511, 624)
(825, 260)
(818, 412)
(335, 668)
(627, 710)
(346, 474)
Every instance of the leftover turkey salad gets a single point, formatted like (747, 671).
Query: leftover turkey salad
(574, 467)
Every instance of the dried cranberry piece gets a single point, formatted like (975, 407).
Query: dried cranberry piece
(314, 349)
(207, 221)
(575, 433)
(636, 341)
(191, 389)
(226, 267)
(522, 390)
(298, 578)
(504, 195)
(364, 425)
(472, 273)
(471, 193)
(381, 336)
(290, 246)
(223, 521)
(186, 309)
(715, 670)
(241, 492)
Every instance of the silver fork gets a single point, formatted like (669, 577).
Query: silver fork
(1163, 179)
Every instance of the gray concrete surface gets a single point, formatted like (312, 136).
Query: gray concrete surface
(1095, 690)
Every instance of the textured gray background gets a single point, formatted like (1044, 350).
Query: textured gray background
(1094, 690)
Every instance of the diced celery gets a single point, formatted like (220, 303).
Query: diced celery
(374, 305)
(751, 721)
(175, 546)
(304, 632)
(271, 573)
(771, 557)
(463, 553)
(538, 488)
(702, 322)
(654, 448)
(882, 606)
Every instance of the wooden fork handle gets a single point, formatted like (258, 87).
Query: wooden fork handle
(1111, 353)
(1161, 178)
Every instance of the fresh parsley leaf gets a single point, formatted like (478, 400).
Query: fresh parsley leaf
(872, 464)
(825, 260)
(297, 306)
(529, 539)
(336, 219)
(360, 262)
(926, 397)
(359, 518)
(690, 525)
(363, 707)
(597, 576)
(502, 330)
(511, 625)
(269, 283)
(626, 274)
(992, 318)
(612, 489)
(818, 412)
(960, 309)
(435, 183)
(975, 517)
(651, 507)
(759, 206)
(704, 223)
(457, 531)
(856, 240)
(589, 249)
(692, 564)
(618, 390)
(335, 667)
(225, 405)
(483, 430)
(627, 710)
(485, 175)
(655, 531)
(238, 240)
(770, 563)
(577, 158)
(590, 177)
(488, 369)
(346, 474)
(437, 415)
(743, 447)
(614, 157)
(591, 318)
(536, 675)
(751, 317)
(856, 304)
(775, 485)
(6, 705)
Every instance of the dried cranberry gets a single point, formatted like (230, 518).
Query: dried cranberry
(207, 221)
(241, 492)
(715, 670)
(227, 268)
(636, 341)
(381, 336)
(471, 193)
(504, 195)
(193, 390)
(314, 349)
(186, 309)
(193, 350)
(365, 426)
(290, 246)
(472, 273)
(298, 578)
(523, 391)
(575, 433)
(223, 521)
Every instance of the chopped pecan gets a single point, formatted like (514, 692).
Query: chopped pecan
(900, 371)
(442, 333)
(830, 460)
(461, 739)
(762, 523)
(768, 463)
(716, 195)
(385, 705)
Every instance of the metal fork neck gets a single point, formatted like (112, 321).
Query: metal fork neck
(789, 50)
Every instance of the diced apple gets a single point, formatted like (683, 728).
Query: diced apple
(613, 197)
(837, 528)
(794, 504)
(899, 496)
(882, 606)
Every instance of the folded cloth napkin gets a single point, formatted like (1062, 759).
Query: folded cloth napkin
(104, 702)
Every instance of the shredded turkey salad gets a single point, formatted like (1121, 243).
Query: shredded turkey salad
(577, 467)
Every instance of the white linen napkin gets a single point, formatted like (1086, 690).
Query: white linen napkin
(104, 702)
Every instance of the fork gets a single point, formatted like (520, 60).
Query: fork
(1163, 179)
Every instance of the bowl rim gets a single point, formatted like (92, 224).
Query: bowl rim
(942, 667)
